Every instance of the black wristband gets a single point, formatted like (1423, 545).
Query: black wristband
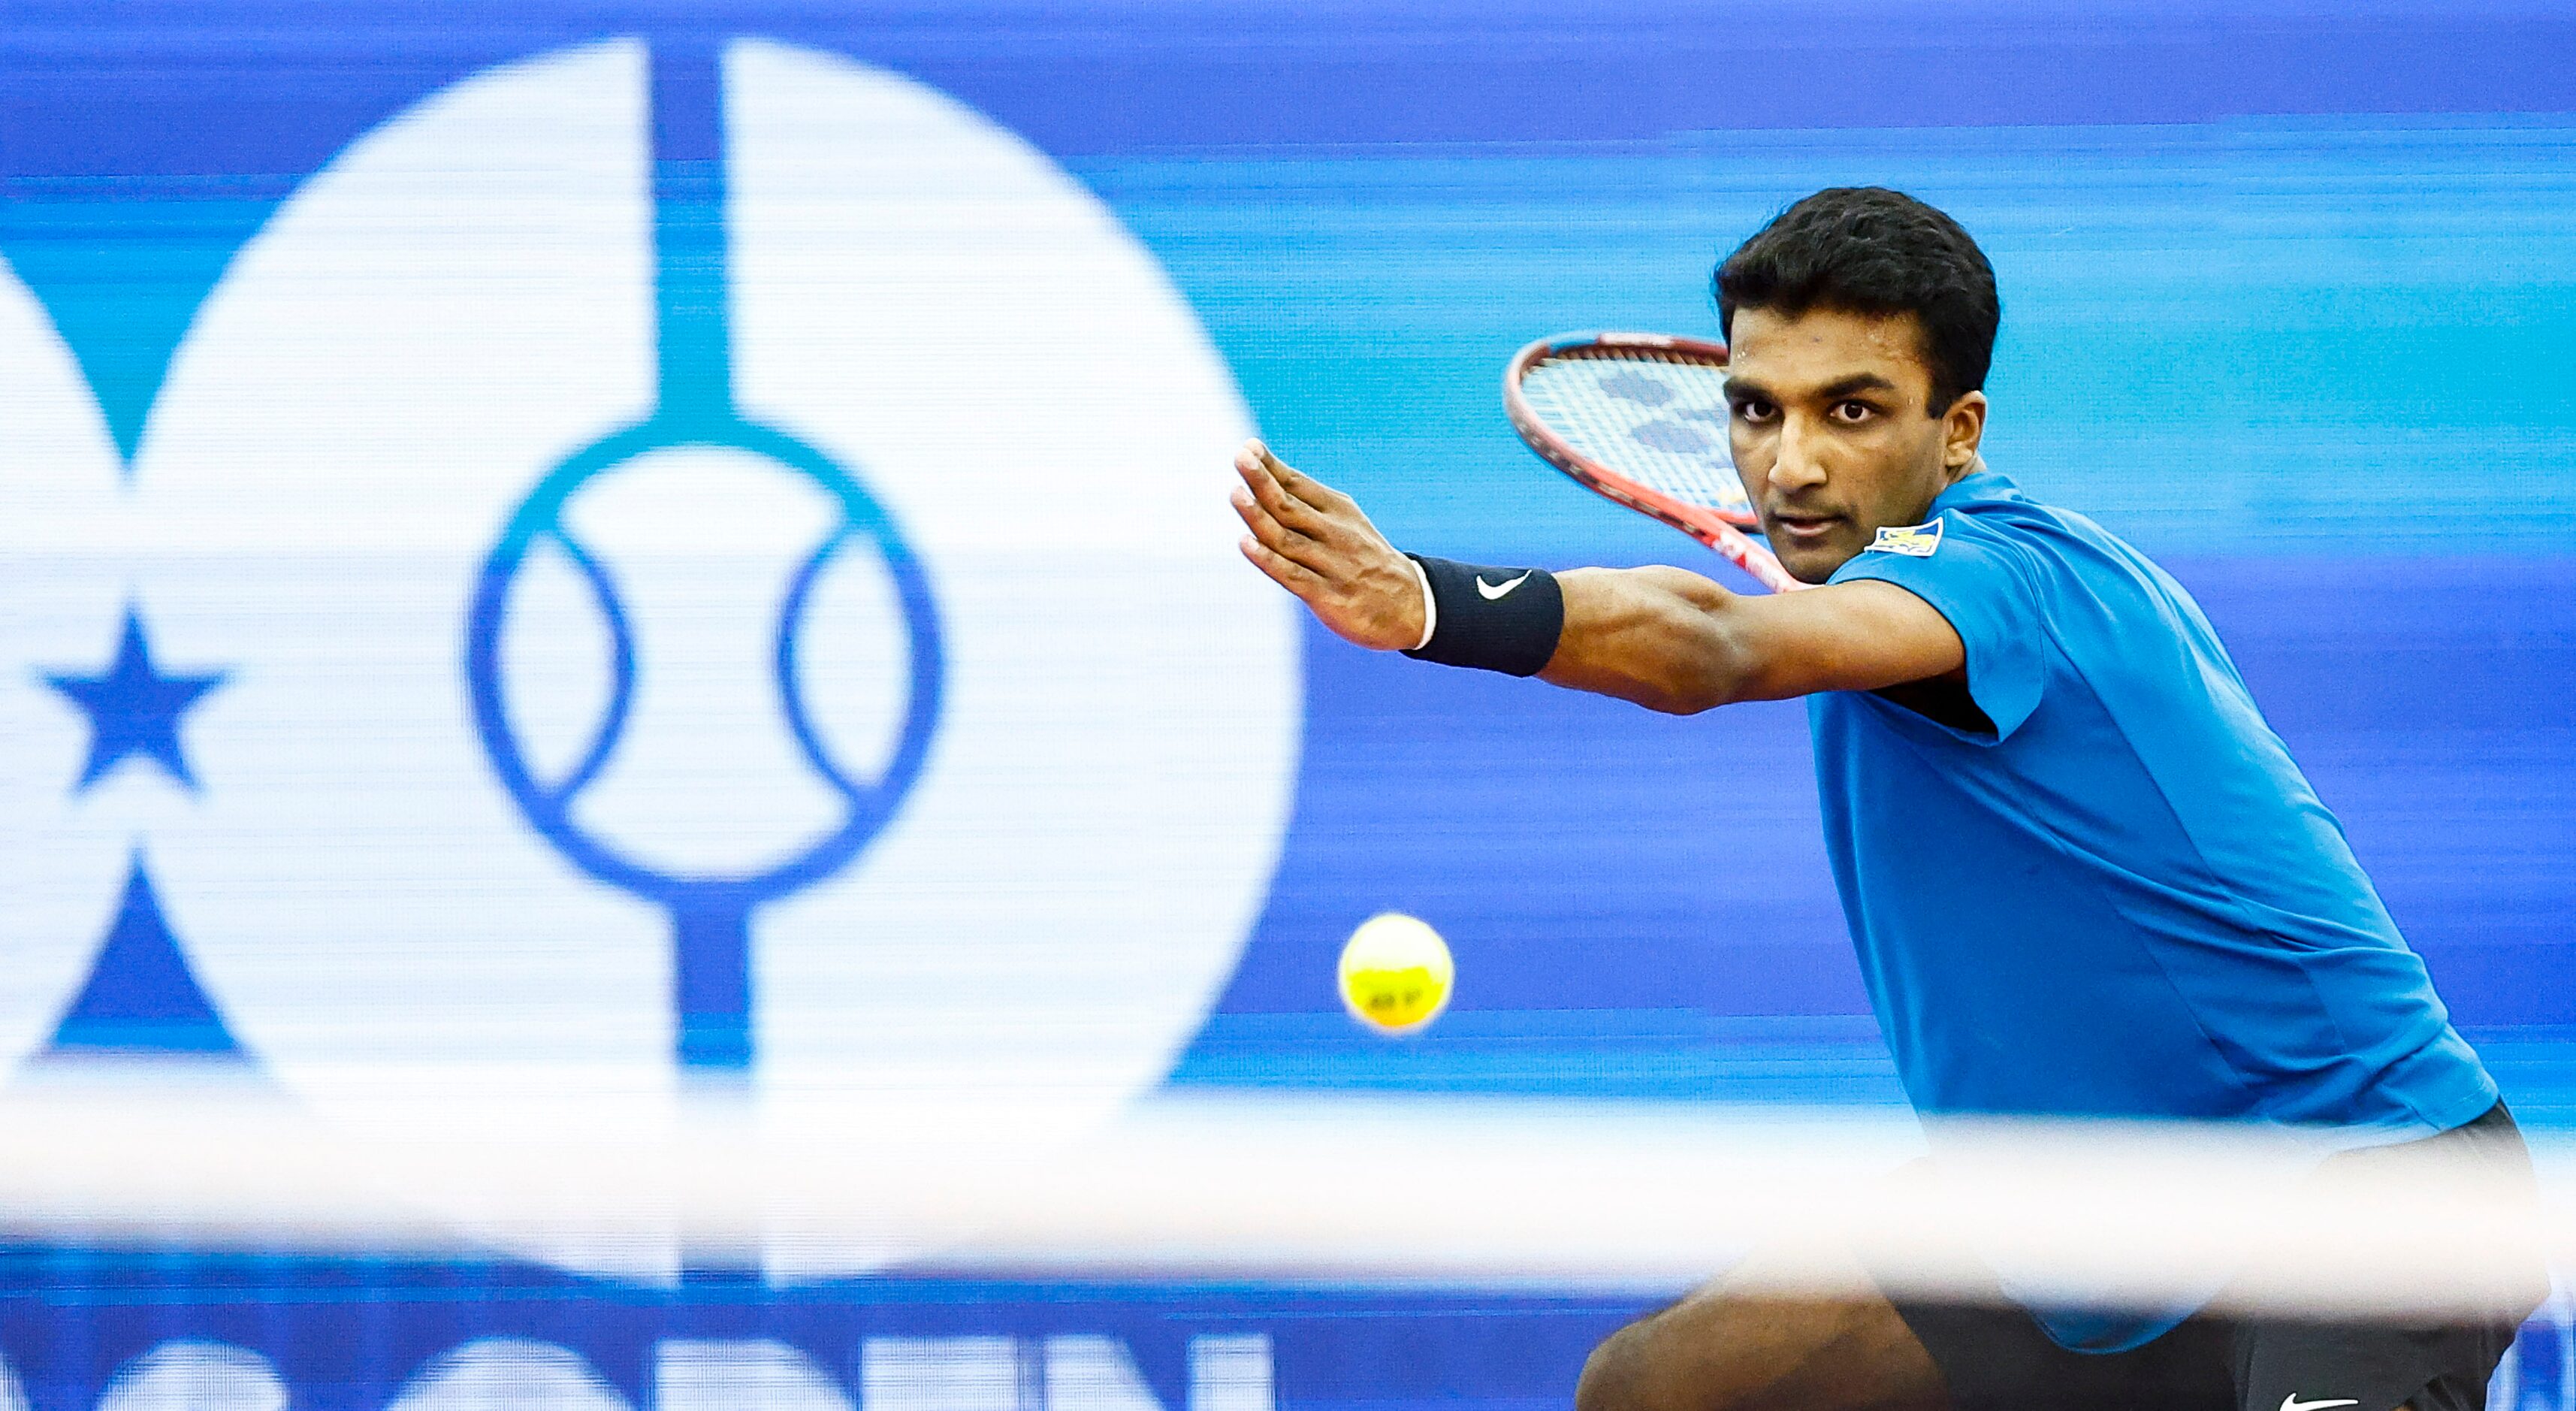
(1494, 619)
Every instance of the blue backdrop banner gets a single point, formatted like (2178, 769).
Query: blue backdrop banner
(658, 543)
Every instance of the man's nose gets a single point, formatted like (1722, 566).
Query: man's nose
(1796, 467)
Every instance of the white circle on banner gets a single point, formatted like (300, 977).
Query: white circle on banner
(464, 298)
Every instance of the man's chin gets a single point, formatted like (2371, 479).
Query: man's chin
(1814, 563)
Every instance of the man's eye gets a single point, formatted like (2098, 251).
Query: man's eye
(1754, 411)
(1854, 411)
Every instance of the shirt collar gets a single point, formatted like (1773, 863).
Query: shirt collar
(1979, 486)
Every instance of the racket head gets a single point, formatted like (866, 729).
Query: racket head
(1638, 417)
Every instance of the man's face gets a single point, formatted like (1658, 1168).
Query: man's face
(1834, 433)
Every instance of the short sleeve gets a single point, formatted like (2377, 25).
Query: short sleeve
(1975, 579)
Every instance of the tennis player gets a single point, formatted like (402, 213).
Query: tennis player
(2084, 877)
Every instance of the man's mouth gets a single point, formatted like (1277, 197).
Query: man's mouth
(1804, 528)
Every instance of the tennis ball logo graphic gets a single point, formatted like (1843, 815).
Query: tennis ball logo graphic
(720, 513)
(1396, 973)
(581, 624)
(702, 520)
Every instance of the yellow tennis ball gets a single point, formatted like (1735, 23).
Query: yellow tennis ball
(1395, 973)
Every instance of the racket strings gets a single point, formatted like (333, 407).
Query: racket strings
(1657, 421)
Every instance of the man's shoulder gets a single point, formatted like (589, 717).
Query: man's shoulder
(2002, 508)
(2045, 536)
(2028, 567)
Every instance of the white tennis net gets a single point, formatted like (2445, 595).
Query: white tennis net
(1374, 1191)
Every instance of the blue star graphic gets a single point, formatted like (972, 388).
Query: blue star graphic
(133, 709)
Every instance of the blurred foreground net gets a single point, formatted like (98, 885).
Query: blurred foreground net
(1352, 1192)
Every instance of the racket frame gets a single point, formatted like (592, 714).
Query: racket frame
(1718, 529)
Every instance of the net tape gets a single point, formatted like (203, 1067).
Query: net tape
(1344, 1189)
(1659, 421)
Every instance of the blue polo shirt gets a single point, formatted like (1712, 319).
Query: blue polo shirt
(2122, 899)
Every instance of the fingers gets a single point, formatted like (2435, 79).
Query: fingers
(1277, 537)
(1313, 541)
(1286, 523)
(1287, 492)
(1284, 571)
(1297, 483)
(1254, 464)
(1317, 527)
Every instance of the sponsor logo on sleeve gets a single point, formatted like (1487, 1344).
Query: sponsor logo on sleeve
(1915, 541)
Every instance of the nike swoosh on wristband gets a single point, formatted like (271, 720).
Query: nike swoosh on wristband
(2293, 1403)
(1496, 590)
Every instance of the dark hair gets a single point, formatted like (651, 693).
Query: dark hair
(1869, 250)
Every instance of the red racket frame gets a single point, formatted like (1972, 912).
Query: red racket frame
(1717, 529)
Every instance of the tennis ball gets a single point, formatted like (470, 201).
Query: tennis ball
(1395, 973)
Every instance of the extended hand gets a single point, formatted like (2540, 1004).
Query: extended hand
(1313, 541)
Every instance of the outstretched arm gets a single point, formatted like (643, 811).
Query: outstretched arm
(1673, 641)
(1664, 638)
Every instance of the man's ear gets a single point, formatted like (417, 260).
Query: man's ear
(1963, 427)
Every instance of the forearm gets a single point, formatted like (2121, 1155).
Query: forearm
(1663, 638)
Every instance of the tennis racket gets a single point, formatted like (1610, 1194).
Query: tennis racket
(1641, 418)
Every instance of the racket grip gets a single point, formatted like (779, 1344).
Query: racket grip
(1754, 559)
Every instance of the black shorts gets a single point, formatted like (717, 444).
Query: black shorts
(1995, 1356)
